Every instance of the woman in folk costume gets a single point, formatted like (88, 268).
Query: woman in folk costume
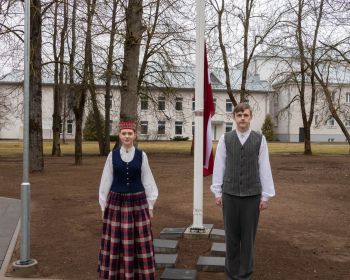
(127, 195)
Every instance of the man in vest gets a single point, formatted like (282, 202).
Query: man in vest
(242, 185)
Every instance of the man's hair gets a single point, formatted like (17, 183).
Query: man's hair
(241, 107)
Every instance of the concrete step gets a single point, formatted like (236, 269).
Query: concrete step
(193, 234)
(179, 274)
(165, 246)
(218, 249)
(217, 234)
(165, 260)
(172, 232)
(215, 264)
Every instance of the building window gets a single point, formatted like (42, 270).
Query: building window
(193, 104)
(144, 103)
(193, 128)
(316, 120)
(214, 103)
(330, 121)
(229, 107)
(161, 103)
(70, 126)
(144, 127)
(347, 123)
(334, 95)
(178, 104)
(178, 128)
(347, 97)
(161, 127)
(228, 127)
(110, 127)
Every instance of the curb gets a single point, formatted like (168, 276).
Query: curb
(10, 250)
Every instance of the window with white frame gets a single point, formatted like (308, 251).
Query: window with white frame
(347, 122)
(214, 103)
(330, 121)
(144, 127)
(161, 127)
(178, 128)
(228, 126)
(229, 106)
(144, 103)
(347, 97)
(178, 104)
(68, 128)
(334, 95)
(161, 103)
(110, 127)
(193, 104)
(193, 128)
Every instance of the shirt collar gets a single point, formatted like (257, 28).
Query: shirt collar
(244, 134)
(125, 151)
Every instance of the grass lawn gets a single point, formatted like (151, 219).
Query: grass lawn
(14, 148)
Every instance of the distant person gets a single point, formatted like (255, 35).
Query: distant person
(242, 185)
(127, 195)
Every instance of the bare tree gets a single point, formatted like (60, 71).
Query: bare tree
(36, 157)
(129, 75)
(58, 76)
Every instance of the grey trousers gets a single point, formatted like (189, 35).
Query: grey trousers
(241, 216)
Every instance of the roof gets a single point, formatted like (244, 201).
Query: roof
(181, 77)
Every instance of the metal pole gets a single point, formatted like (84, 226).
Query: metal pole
(25, 186)
(199, 104)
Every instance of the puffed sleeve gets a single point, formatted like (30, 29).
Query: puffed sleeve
(148, 182)
(106, 181)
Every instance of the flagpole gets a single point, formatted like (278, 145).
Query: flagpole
(199, 104)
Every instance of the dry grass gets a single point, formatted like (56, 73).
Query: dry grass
(14, 148)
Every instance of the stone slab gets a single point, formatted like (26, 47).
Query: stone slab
(217, 234)
(10, 210)
(179, 274)
(190, 234)
(165, 260)
(165, 246)
(218, 249)
(215, 264)
(172, 232)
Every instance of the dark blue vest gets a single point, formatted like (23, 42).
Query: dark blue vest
(127, 175)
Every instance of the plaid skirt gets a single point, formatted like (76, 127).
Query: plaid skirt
(126, 251)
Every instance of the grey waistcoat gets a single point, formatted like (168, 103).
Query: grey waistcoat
(241, 176)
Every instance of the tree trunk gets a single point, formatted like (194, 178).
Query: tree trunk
(35, 112)
(109, 72)
(224, 55)
(129, 75)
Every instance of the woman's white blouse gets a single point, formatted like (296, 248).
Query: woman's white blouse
(147, 179)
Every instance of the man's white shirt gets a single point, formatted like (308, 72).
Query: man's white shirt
(268, 188)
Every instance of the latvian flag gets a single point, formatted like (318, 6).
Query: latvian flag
(209, 111)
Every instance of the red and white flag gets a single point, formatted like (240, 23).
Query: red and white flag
(209, 111)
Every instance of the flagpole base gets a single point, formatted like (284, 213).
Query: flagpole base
(24, 269)
(198, 233)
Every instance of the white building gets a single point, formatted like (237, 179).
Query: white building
(288, 122)
(165, 114)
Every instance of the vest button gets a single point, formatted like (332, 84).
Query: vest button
(128, 184)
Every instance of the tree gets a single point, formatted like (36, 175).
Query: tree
(129, 75)
(58, 77)
(267, 128)
(89, 132)
(36, 158)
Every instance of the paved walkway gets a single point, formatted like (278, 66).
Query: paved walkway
(10, 210)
